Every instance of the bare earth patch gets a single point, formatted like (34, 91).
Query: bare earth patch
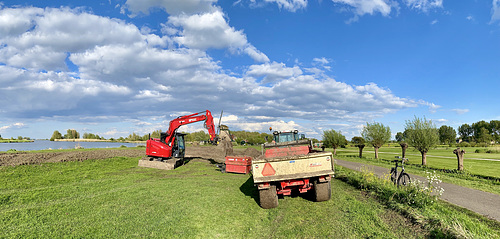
(27, 158)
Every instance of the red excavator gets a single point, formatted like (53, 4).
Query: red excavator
(167, 151)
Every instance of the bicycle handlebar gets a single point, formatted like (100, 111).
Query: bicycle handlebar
(399, 157)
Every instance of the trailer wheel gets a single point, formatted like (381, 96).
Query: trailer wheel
(268, 197)
(322, 191)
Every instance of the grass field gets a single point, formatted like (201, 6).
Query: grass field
(439, 158)
(115, 198)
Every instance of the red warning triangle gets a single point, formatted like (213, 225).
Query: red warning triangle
(268, 170)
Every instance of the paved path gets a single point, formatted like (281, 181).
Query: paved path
(484, 203)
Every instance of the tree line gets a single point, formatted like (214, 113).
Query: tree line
(419, 133)
(18, 138)
(238, 136)
(74, 134)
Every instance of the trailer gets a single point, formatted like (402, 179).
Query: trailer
(290, 164)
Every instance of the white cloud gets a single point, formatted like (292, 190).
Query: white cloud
(470, 18)
(15, 125)
(290, 5)
(172, 7)
(272, 72)
(432, 107)
(424, 5)
(207, 30)
(211, 30)
(434, 21)
(460, 111)
(362, 7)
(255, 54)
(495, 11)
(153, 95)
(322, 61)
(124, 72)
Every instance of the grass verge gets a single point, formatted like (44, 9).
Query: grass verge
(441, 219)
(464, 179)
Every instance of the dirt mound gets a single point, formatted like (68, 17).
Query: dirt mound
(252, 152)
(215, 153)
(15, 159)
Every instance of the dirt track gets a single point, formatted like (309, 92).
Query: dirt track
(26, 158)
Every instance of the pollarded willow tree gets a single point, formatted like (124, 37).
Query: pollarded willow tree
(334, 139)
(360, 143)
(377, 135)
(421, 134)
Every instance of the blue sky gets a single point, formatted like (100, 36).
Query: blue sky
(120, 66)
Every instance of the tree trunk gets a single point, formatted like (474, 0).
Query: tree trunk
(361, 150)
(404, 146)
(334, 151)
(376, 152)
(424, 157)
(460, 158)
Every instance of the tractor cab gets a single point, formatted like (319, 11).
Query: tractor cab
(287, 136)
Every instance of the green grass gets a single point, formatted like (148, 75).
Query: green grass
(441, 158)
(466, 179)
(115, 198)
(443, 220)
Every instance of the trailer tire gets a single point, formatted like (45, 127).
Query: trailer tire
(322, 191)
(268, 198)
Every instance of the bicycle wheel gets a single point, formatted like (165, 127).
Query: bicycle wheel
(394, 175)
(404, 179)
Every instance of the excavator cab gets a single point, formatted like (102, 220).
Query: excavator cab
(179, 147)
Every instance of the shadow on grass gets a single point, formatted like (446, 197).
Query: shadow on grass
(250, 190)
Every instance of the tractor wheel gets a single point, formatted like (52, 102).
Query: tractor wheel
(322, 191)
(268, 197)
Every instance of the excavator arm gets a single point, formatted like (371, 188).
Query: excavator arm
(162, 148)
(192, 118)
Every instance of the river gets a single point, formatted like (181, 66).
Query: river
(47, 144)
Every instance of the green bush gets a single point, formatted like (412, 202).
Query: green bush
(463, 144)
(482, 145)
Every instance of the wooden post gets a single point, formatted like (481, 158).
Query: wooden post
(460, 158)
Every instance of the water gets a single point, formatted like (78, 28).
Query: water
(47, 144)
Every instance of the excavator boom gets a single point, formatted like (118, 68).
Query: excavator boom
(171, 143)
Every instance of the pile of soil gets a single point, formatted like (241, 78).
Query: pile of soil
(25, 158)
(252, 152)
(217, 154)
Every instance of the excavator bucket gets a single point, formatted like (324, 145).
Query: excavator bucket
(164, 165)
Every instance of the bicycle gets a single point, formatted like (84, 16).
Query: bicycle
(403, 178)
